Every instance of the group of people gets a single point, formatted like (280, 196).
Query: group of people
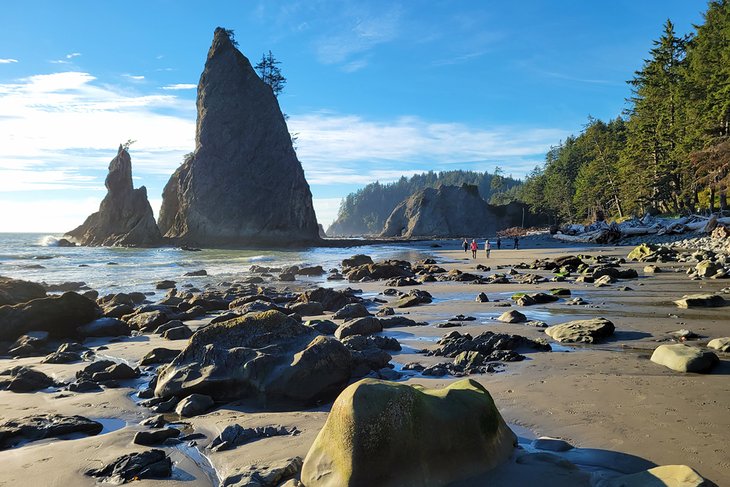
(474, 246)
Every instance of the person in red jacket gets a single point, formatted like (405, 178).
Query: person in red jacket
(474, 248)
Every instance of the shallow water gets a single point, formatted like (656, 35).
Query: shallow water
(110, 269)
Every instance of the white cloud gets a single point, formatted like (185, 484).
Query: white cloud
(326, 210)
(7, 60)
(180, 86)
(58, 127)
(47, 215)
(135, 77)
(73, 55)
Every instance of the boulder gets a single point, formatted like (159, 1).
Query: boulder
(14, 291)
(125, 216)
(42, 426)
(663, 476)
(721, 344)
(104, 327)
(581, 331)
(24, 379)
(701, 301)
(60, 316)
(413, 298)
(391, 434)
(330, 299)
(359, 326)
(236, 435)
(267, 356)
(151, 438)
(683, 358)
(350, 311)
(482, 298)
(243, 161)
(193, 405)
(357, 260)
(307, 309)
(512, 316)
(159, 355)
(325, 327)
(708, 268)
(177, 333)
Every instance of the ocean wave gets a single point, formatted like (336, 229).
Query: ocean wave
(261, 258)
(49, 241)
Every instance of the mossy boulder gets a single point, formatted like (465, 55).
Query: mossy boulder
(581, 331)
(641, 252)
(267, 357)
(389, 434)
(683, 358)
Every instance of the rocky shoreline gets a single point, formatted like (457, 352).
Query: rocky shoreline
(255, 364)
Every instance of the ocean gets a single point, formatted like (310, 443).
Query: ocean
(37, 257)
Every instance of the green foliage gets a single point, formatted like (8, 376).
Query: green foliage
(671, 147)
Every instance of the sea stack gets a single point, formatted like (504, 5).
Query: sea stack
(450, 211)
(243, 185)
(125, 217)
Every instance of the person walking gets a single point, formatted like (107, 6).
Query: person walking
(487, 247)
(465, 244)
(474, 248)
(517, 243)
(499, 243)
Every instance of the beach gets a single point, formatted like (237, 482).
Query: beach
(607, 399)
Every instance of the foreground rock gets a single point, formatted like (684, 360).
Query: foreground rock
(125, 216)
(60, 316)
(409, 426)
(265, 356)
(14, 291)
(42, 426)
(150, 464)
(24, 379)
(581, 331)
(243, 161)
(683, 358)
(701, 301)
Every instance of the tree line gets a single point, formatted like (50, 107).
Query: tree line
(668, 153)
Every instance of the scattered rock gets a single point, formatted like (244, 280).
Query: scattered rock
(700, 301)
(193, 405)
(159, 355)
(721, 344)
(42, 426)
(684, 358)
(351, 311)
(104, 327)
(236, 435)
(60, 316)
(178, 333)
(14, 291)
(581, 331)
(512, 316)
(151, 438)
(265, 476)
(359, 326)
(24, 379)
(482, 298)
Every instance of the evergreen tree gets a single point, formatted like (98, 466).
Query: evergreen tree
(270, 73)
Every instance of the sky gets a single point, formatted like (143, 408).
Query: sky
(375, 90)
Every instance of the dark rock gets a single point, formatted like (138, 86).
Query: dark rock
(107, 370)
(104, 327)
(178, 333)
(311, 271)
(307, 309)
(398, 321)
(236, 435)
(166, 284)
(272, 475)
(243, 161)
(359, 326)
(33, 343)
(83, 385)
(61, 358)
(330, 299)
(413, 298)
(351, 311)
(24, 379)
(150, 464)
(482, 298)
(125, 216)
(357, 260)
(42, 426)
(14, 291)
(151, 438)
(264, 356)
(58, 315)
(65, 287)
(325, 327)
(159, 355)
(201, 272)
(193, 405)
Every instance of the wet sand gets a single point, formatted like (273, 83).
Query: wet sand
(606, 396)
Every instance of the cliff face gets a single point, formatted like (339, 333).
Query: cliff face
(125, 216)
(450, 211)
(243, 184)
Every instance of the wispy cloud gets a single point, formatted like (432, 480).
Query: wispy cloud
(134, 77)
(326, 209)
(180, 86)
(67, 58)
(8, 60)
(73, 55)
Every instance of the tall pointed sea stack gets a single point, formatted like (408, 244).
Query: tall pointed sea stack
(243, 185)
(125, 216)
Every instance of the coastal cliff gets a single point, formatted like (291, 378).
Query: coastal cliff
(243, 184)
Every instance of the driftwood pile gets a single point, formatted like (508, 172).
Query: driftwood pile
(606, 233)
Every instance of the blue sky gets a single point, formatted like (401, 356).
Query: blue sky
(375, 89)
